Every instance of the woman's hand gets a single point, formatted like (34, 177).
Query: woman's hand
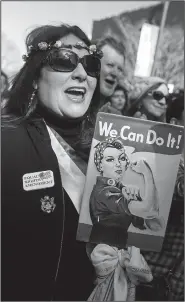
(139, 166)
(140, 115)
(131, 192)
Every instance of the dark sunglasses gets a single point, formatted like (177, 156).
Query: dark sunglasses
(158, 95)
(65, 60)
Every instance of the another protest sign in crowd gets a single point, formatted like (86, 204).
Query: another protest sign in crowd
(46, 261)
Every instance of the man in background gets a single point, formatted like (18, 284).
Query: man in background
(112, 66)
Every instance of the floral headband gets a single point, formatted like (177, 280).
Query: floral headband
(44, 46)
(109, 142)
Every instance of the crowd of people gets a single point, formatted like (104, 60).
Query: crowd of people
(48, 117)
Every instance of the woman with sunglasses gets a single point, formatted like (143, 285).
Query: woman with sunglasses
(46, 138)
(149, 99)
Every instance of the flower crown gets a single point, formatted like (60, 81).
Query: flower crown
(43, 46)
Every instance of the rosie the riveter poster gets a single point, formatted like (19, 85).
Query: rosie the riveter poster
(130, 181)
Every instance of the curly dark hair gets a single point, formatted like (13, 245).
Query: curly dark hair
(18, 109)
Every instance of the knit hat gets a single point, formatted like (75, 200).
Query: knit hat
(140, 87)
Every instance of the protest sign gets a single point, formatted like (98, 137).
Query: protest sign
(130, 182)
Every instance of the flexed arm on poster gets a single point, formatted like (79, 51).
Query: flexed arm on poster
(146, 206)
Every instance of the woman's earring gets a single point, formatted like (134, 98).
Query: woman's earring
(33, 95)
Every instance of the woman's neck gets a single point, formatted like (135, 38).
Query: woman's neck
(71, 130)
(59, 121)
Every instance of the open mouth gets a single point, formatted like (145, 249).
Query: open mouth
(76, 94)
(110, 82)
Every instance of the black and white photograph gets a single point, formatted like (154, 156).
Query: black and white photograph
(63, 65)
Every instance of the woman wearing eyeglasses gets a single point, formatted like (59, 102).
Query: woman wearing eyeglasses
(46, 138)
(149, 99)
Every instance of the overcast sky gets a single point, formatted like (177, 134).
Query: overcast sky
(18, 17)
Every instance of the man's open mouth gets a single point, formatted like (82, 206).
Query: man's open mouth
(110, 82)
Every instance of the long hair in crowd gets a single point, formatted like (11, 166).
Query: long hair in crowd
(140, 90)
(18, 108)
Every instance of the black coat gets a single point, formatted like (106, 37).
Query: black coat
(41, 259)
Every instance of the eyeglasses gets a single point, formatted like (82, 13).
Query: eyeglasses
(65, 60)
(158, 95)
